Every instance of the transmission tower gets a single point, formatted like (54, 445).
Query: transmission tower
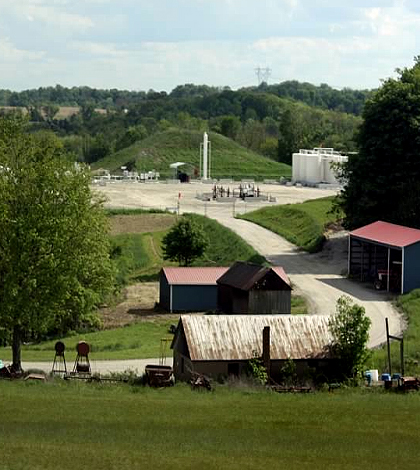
(263, 74)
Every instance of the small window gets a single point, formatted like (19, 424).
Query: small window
(233, 368)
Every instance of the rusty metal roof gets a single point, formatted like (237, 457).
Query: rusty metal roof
(236, 337)
(244, 276)
(388, 234)
(193, 276)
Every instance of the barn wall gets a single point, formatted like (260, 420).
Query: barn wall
(240, 301)
(164, 292)
(192, 298)
(269, 301)
(411, 267)
(182, 367)
(320, 370)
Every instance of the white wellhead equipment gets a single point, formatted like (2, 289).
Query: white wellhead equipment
(205, 157)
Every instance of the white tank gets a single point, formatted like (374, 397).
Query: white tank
(375, 375)
(296, 167)
(312, 169)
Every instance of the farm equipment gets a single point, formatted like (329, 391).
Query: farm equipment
(159, 376)
(381, 281)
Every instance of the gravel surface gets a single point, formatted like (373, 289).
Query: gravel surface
(102, 367)
(317, 277)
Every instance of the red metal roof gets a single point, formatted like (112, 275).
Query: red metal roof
(388, 234)
(193, 276)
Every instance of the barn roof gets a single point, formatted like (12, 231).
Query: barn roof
(193, 276)
(239, 337)
(244, 275)
(388, 234)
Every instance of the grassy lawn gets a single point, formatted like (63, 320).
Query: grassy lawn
(409, 304)
(138, 341)
(229, 159)
(74, 425)
(302, 224)
(139, 256)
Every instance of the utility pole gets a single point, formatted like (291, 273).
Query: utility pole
(263, 74)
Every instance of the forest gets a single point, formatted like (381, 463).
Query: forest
(272, 120)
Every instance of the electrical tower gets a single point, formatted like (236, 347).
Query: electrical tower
(263, 74)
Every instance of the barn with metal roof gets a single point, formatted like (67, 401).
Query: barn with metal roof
(387, 255)
(189, 289)
(221, 345)
(254, 289)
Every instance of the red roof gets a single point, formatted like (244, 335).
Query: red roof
(193, 276)
(388, 234)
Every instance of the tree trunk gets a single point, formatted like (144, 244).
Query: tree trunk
(16, 344)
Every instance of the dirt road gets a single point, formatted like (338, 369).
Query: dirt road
(317, 277)
(102, 367)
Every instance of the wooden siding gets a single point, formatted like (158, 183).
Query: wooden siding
(269, 302)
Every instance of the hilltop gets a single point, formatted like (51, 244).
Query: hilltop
(158, 151)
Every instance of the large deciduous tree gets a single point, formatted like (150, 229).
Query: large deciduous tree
(185, 242)
(383, 178)
(54, 249)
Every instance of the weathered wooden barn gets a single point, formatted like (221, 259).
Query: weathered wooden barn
(254, 289)
(387, 255)
(222, 345)
(189, 289)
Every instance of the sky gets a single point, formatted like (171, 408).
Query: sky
(159, 44)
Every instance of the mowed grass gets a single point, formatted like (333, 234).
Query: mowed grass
(137, 341)
(74, 425)
(409, 305)
(228, 159)
(302, 224)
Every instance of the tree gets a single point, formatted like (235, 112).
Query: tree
(350, 330)
(382, 179)
(185, 242)
(54, 249)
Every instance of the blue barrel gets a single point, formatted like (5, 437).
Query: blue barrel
(396, 376)
(368, 376)
(386, 377)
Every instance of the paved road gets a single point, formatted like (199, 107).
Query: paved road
(102, 367)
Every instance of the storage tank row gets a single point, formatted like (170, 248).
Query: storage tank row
(316, 166)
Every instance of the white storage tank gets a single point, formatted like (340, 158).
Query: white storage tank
(314, 166)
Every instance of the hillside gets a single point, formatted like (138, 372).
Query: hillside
(158, 151)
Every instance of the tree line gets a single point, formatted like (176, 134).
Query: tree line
(260, 121)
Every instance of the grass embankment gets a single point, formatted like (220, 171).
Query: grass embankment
(139, 257)
(409, 304)
(228, 159)
(74, 425)
(137, 341)
(302, 224)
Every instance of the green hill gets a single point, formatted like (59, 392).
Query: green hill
(228, 159)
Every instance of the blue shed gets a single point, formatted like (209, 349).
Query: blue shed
(185, 289)
(386, 254)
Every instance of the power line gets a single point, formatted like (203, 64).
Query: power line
(263, 74)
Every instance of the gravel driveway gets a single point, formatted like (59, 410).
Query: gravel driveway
(317, 277)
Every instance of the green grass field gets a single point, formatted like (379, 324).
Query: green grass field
(137, 341)
(302, 224)
(409, 304)
(229, 159)
(74, 425)
(140, 257)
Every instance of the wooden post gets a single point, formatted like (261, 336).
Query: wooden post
(388, 347)
(402, 356)
(266, 350)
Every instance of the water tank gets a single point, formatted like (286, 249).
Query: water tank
(296, 167)
(375, 375)
(312, 169)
